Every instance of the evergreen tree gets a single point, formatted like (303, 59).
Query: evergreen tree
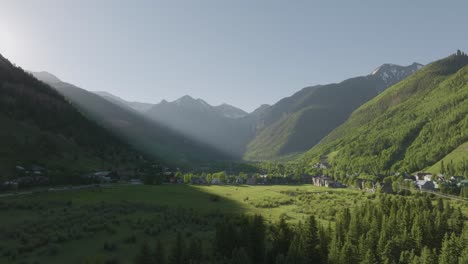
(281, 239)
(450, 250)
(256, 242)
(178, 255)
(144, 257)
(240, 256)
(158, 254)
(427, 256)
(194, 251)
(442, 167)
(313, 241)
(297, 253)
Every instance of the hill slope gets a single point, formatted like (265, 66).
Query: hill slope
(410, 126)
(39, 127)
(135, 129)
(457, 160)
(297, 123)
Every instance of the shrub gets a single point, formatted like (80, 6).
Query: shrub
(214, 198)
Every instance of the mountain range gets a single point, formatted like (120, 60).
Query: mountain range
(296, 123)
(409, 127)
(292, 125)
(383, 121)
(125, 122)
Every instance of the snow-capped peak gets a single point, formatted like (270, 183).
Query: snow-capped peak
(392, 73)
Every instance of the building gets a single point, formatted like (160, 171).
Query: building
(252, 180)
(322, 180)
(425, 185)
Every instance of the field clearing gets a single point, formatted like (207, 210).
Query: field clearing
(111, 223)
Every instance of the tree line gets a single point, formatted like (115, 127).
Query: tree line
(392, 229)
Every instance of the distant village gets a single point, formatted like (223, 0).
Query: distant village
(34, 175)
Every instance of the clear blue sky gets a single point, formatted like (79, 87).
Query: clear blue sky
(245, 53)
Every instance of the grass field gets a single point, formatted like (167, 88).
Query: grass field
(107, 223)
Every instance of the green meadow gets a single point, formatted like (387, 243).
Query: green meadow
(111, 223)
(49, 227)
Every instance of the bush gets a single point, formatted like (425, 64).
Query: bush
(52, 250)
(109, 246)
(214, 198)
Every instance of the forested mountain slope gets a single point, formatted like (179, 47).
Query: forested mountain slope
(144, 134)
(40, 127)
(409, 127)
(297, 123)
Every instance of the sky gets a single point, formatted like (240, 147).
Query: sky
(244, 52)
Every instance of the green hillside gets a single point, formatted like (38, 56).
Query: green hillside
(39, 127)
(458, 159)
(409, 127)
(297, 123)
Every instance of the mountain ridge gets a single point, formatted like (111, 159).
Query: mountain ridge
(129, 125)
(296, 123)
(408, 127)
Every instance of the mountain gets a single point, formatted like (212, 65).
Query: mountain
(230, 111)
(409, 127)
(144, 134)
(221, 127)
(391, 73)
(40, 127)
(46, 77)
(296, 123)
(138, 106)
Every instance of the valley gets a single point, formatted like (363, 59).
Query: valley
(233, 132)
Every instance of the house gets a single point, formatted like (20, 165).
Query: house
(426, 176)
(9, 185)
(252, 180)
(37, 170)
(425, 185)
(322, 180)
(239, 180)
(215, 181)
(103, 176)
(456, 179)
(135, 181)
(197, 180)
(463, 183)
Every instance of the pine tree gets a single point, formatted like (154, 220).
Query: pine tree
(256, 243)
(369, 258)
(450, 250)
(240, 256)
(313, 241)
(194, 251)
(281, 239)
(297, 253)
(427, 256)
(144, 257)
(178, 251)
(158, 254)
(442, 167)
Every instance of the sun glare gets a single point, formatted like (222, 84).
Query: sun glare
(7, 41)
